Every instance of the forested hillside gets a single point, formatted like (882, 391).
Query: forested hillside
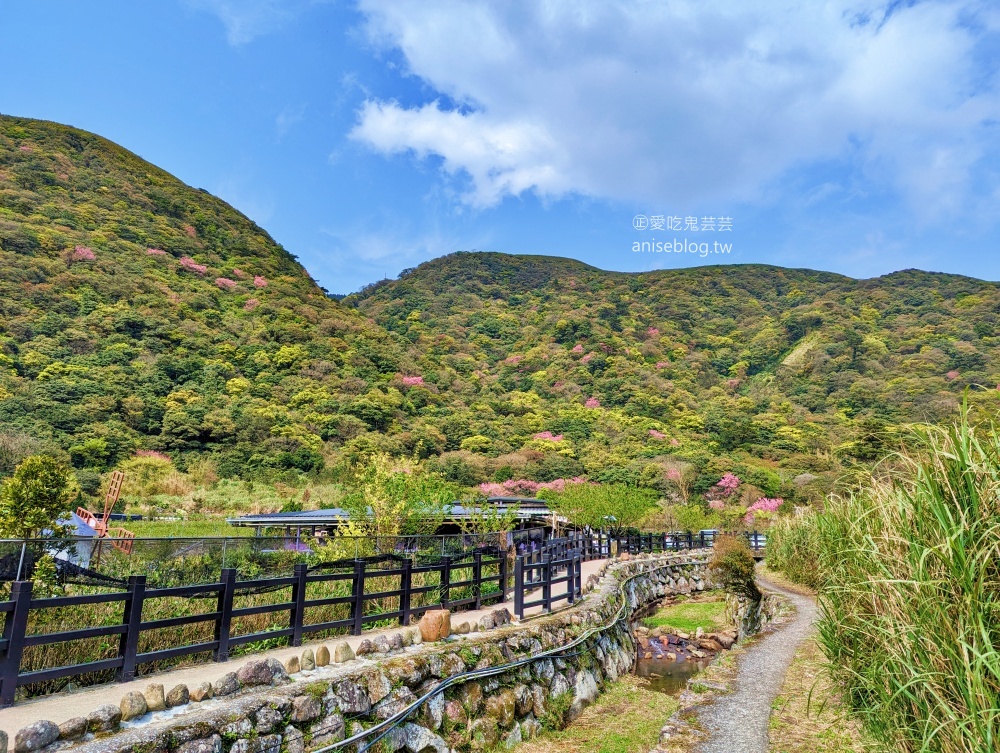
(779, 373)
(139, 314)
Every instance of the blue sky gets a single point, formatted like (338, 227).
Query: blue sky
(854, 136)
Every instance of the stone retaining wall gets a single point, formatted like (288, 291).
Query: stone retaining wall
(272, 713)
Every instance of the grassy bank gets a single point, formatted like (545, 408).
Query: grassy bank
(908, 570)
(626, 718)
(707, 613)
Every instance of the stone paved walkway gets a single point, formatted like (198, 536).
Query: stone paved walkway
(737, 723)
(62, 706)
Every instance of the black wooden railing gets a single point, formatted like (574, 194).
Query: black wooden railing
(453, 573)
(545, 574)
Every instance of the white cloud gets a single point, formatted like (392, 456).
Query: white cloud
(694, 100)
(288, 118)
(245, 20)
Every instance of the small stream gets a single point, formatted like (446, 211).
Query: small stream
(669, 675)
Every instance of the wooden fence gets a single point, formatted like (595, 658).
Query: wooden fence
(465, 572)
(548, 573)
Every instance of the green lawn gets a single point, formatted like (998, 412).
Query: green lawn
(689, 616)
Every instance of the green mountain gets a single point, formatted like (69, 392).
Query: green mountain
(776, 372)
(137, 313)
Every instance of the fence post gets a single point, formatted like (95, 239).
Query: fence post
(519, 587)
(14, 628)
(405, 584)
(128, 644)
(571, 579)
(503, 576)
(225, 609)
(579, 579)
(477, 577)
(298, 615)
(445, 581)
(547, 583)
(358, 597)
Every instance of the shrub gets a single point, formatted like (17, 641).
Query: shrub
(732, 565)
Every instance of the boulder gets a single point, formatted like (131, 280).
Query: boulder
(322, 656)
(393, 703)
(381, 644)
(278, 673)
(484, 733)
(211, 744)
(104, 718)
(416, 638)
(530, 729)
(226, 685)
(351, 698)
(154, 697)
(365, 647)
(256, 672)
(513, 737)
(294, 741)
(267, 720)
(133, 705)
(454, 712)
(485, 623)
(435, 625)
(308, 660)
(421, 740)
(178, 696)
(501, 706)
(501, 616)
(463, 628)
(72, 729)
(305, 708)
(342, 652)
(202, 692)
(35, 736)
(291, 665)
(726, 641)
(396, 642)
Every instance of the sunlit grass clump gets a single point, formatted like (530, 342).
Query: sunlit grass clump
(689, 616)
(909, 569)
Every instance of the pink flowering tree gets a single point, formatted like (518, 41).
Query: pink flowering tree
(548, 436)
(251, 304)
(657, 434)
(578, 348)
(154, 454)
(239, 273)
(191, 265)
(762, 510)
(587, 358)
(83, 253)
(190, 231)
(524, 487)
(592, 402)
(662, 364)
(260, 281)
(653, 332)
(225, 283)
(155, 252)
(412, 381)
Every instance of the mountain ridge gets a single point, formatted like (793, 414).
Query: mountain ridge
(140, 314)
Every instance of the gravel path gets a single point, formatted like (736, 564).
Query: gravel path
(737, 723)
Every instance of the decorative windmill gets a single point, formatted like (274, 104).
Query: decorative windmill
(121, 538)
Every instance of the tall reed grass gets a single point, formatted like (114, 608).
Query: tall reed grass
(909, 572)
